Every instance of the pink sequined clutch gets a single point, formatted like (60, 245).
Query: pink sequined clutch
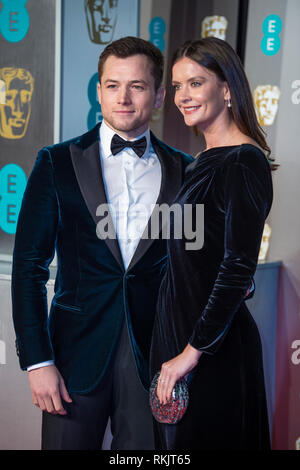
(173, 411)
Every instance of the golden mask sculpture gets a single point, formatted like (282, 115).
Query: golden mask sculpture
(215, 26)
(101, 16)
(157, 114)
(266, 100)
(265, 241)
(15, 101)
(2, 92)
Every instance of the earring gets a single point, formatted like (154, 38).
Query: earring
(229, 103)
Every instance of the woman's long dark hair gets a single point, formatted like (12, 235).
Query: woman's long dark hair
(219, 57)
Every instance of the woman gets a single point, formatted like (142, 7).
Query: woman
(203, 328)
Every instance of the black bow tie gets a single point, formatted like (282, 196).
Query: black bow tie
(118, 144)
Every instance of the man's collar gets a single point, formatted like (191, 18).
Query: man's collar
(106, 134)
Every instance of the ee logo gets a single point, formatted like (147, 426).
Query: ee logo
(12, 186)
(270, 43)
(14, 20)
(95, 114)
(157, 29)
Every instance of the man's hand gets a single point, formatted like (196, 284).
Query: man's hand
(48, 389)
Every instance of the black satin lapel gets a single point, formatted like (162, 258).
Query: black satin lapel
(171, 181)
(88, 172)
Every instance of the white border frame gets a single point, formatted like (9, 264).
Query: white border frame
(57, 71)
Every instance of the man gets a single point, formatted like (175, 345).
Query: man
(89, 361)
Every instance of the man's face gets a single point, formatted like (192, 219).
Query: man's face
(101, 19)
(16, 109)
(127, 94)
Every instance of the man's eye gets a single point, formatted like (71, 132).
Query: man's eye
(138, 87)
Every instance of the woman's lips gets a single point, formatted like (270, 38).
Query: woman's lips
(190, 109)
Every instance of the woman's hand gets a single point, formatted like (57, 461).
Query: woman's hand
(174, 369)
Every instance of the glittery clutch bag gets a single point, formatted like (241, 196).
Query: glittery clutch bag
(173, 411)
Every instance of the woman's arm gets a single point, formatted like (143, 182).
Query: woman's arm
(247, 201)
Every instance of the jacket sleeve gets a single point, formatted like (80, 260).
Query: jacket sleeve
(247, 201)
(33, 252)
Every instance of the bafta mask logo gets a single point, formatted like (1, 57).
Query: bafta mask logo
(264, 246)
(2, 92)
(101, 16)
(15, 105)
(215, 26)
(156, 115)
(266, 99)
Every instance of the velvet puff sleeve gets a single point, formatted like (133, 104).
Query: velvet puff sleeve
(33, 252)
(247, 199)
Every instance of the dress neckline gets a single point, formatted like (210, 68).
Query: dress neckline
(227, 147)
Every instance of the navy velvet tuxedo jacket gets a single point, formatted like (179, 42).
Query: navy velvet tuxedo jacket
(93, 290)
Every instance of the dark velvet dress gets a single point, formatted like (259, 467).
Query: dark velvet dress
(201, 301)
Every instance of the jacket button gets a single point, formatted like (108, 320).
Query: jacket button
(130, 276)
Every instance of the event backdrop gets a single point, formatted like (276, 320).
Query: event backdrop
(272, 63)
(191, 20)
(26, 100)
(86, 30)
(33, 54)
(28, 85)
(41, 40)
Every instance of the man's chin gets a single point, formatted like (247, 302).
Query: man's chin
(124, 125)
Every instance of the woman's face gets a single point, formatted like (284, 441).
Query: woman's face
(199, 94)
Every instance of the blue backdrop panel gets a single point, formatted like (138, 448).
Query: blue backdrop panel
(87, 27)
(27, 76)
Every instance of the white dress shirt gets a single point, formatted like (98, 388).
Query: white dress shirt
(132, 186)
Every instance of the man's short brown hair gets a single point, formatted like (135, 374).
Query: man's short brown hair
(129, 46)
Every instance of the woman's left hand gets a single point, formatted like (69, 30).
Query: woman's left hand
(174, 369)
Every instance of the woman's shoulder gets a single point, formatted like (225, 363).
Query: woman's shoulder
(223, 158)
(247, 155)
